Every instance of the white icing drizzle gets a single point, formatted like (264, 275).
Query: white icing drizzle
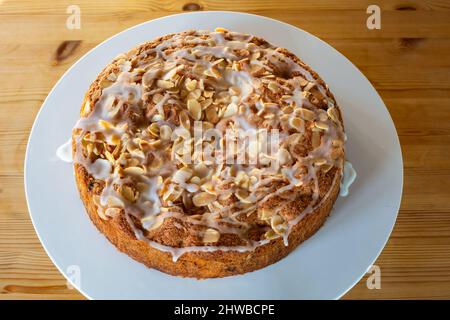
(132, 88)
(100, 169)
(64, 152)
(178, 252)
(348, 178)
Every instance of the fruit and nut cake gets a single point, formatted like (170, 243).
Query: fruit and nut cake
(208, 154)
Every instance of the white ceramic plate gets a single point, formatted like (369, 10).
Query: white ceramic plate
(324, 267)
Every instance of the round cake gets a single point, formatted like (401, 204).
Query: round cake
(208, 154)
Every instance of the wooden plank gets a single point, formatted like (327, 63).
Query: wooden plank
(31, 7)
(323, 23)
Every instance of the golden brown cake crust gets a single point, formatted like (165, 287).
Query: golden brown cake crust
(201, 264)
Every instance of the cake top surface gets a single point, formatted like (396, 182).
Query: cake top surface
(209, 140)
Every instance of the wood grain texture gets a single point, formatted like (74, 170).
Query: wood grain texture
(408, 61)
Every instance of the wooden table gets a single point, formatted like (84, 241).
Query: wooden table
(408, 61)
